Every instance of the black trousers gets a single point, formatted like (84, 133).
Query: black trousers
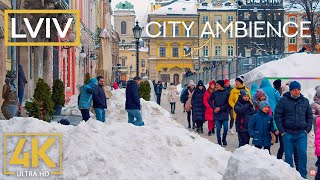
(243, 138)
(199, 124)
(266, 147)
(173, 107)
(318, 171)
(85, 114)
(189, 119)
(158, 98)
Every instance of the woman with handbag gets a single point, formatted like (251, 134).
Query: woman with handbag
(187, 95)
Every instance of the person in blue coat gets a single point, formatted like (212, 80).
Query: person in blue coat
(272, 93)
(85, 98)
(133, 105)
(198, 107)
(261, 127)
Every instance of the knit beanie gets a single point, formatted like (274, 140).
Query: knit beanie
(243, 93)
(221, 83)
(240, 79)
(294, 85)
(200, 83)
(277, 84)
(260, 93)
(191, 83)
(211, 82)
(263, 104)
(226, 81)
(318, 91)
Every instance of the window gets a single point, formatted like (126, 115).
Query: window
(217, 19)
(230, 50)
(165, 77)
(246, 16)
(230, 19)
(161, 30)
(143, 74)
(206, 36)
(123, 62)
(143, 63)
(306, 40)
(175, 52)
(123, 27)
(162, 51)
(176, 30)
(248, 52)
(218, 51)
(9, 52)
(186, 32)
(218, 36)
(292, 19)
(205, 19)
(187, 51)
(259, 15)
(292, 40)
(205, 51)
(229, 34)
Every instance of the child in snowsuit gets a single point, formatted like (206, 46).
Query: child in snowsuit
(244, 110)
(261, 127)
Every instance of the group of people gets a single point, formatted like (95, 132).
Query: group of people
(266, 114)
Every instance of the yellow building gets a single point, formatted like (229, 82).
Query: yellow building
(224, 46)
(171, 54)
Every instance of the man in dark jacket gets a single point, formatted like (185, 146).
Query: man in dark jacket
(100, 100)
(219, 103)
(133, 105)
(293, 116)
(228, 87)
(22, 81)
(158, 91)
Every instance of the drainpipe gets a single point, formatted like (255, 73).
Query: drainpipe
(13, 48)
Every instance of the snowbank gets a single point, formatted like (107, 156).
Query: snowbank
(249, 162)
(162, 149)
(72, 109)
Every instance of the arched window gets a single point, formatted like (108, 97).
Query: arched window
(143, 63)
(123, 27)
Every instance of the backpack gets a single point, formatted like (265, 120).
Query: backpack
(182, 100)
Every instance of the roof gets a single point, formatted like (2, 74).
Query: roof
(124, 5)
(225, 6)
(290, 7)
(185, 7)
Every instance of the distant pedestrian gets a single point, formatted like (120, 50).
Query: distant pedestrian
(172, 97)
(133, 105)
(219, 103)
(158, 91)
(303, 49)
(261, 127)
(228, 87)
(187, 95)
(244, 110)
(85, 98)
(209, 110)
(198, 108)
(182, 99)
(316, 108)
(277, 85)
(100, 100)
(115, 85)
(272, 93)
(22, 81)
(293, 116)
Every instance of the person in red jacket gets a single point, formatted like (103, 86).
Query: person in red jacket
(209, 110)
(115, 85)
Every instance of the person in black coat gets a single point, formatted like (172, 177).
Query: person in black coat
(198, 108)
(244, 109)
(158, 91)
(100, 100)
(133, 105)
(219, 103)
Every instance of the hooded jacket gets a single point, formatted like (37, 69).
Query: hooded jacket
(209, 110)
(293, 115)
(172, 94)
(316, 107)
(85, 97)
(272, 93)
(317, 138)
(99, 98)
(198, 108)
(132, 95)
(254, 88)
(234, 95)
(244, 110)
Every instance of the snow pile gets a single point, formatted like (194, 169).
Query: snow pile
(162, 149)
(249, 162)
(72, 109)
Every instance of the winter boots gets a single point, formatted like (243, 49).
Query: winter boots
(199, 129)
(219, 142)
(224, 142)
(209, 133)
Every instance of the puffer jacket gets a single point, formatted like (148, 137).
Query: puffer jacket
(198, 108)
(209, 110)
(260, 128)
(172, 94)
(272, 93)
(85, 97)
(234, 95)
(132, 95)
(219, 98)
(316, 111)
(317, 138)
(244, 110)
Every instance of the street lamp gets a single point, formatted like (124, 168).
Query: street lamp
(82, 53)
(137, 30)
(71, 38)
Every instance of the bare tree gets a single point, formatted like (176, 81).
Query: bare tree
(311, 9)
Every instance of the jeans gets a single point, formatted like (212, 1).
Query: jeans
(243, 138)
(219, 124)
(318, 168)
(100, 114)
(300, 141)
(158, 98)
(85, 114)
(135, 113)
(21, 98)
(173, 107)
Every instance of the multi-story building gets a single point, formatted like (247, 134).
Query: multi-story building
(267, 11)
(296, 13)
(172, 53)
(124, 22)
(222, 46)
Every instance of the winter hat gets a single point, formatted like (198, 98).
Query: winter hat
(263, 104)
(191, 83)
(220, 82)
(294, 85)
(240, 79)
(243, 92)
(260, 93)
(318, 91)
(226, 81)
(211, 82)
(200, 83)
(277, 83)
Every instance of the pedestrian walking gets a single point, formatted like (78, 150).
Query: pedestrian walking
(85, 98)
(198, 108)
(187, 95)
(158, 91)
(183, 100)
(293, 116)
(172, 96)
(228, 87)
(115, 85)
(100, 100)
(219, 103)
(244, 110)
(209, 111)
(316, 108)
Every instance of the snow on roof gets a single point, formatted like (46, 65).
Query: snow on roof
(223, 7)
(187, 7)
(290, 7)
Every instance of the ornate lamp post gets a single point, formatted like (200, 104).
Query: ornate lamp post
(137, 30)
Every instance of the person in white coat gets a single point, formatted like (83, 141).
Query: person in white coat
(173, 96)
